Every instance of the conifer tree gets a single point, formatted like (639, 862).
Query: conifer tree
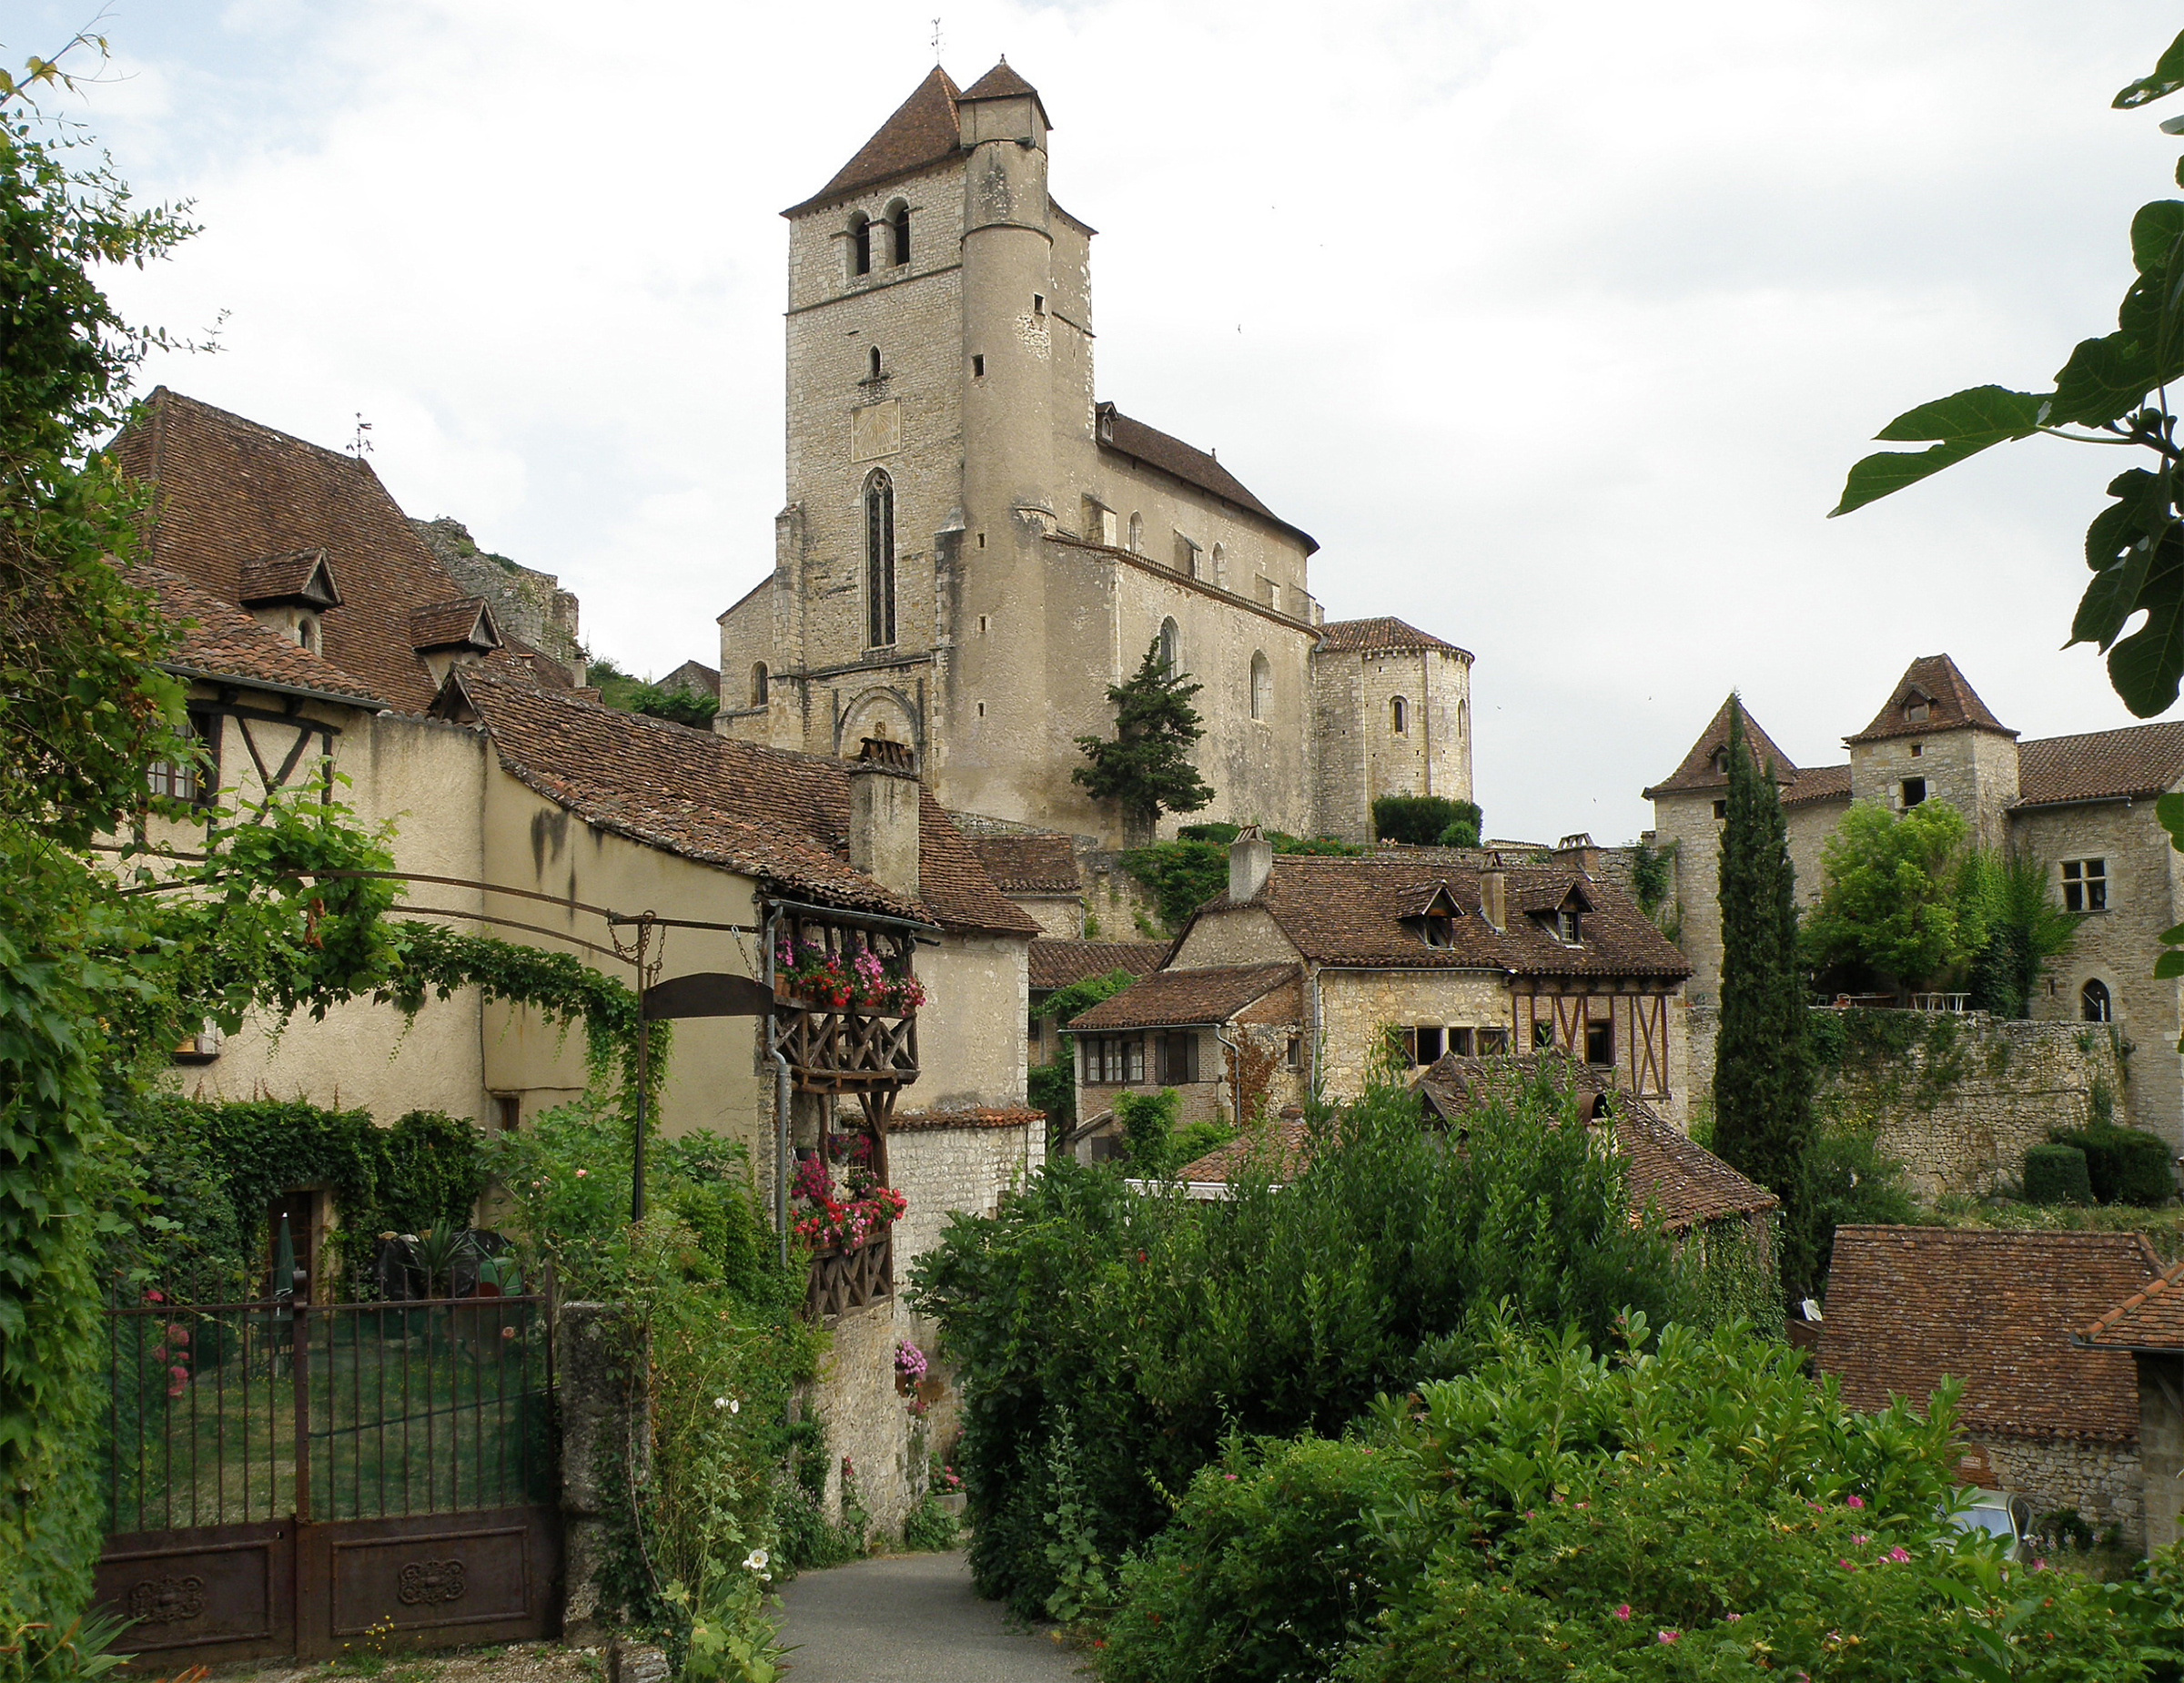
(1146, 768)
(1763, 1072)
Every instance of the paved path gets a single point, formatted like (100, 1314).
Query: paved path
(909, 1616)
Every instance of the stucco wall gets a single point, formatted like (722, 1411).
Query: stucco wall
(970, 1033)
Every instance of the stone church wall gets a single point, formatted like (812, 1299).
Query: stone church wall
(1958, 1117)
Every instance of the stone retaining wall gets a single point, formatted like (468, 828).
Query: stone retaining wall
(1961, 1123)
(2102, 1482)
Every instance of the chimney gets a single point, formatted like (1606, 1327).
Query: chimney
(1579, 850)
(1493, 894)
(1250, 857)
(883, 815)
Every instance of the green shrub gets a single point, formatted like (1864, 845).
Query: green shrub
(1424, 820)
(1849, 1181)
(1051, 1087)
(930, 1527)
(1156, 1326)
(1149, 1128)
(2123, 1165)
(2057, 1174)
(1266, 1571)
(1194, 1140)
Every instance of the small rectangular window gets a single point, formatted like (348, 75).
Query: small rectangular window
(986, 624)
(1599, 1043)
(1459, 1042)
(1428, 1042)
(1492, 1042)
(978, 367)
(1543, 1036)
(1721, 809)
(1915, 792)
(1292, 1052)
(2085, 884)
(1918, 748)
(1038, 303)
(1176, 1060)
(507, 1112)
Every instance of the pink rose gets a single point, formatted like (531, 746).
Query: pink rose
(1668, 1636)
(1856, 1502)
(1623, 1612)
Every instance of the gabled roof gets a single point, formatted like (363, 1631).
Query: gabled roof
(220, 641)
(303, 577)
(1951, 703)
(1001, 83)
(1699, 770)
(1042, 862)
(1384, 636)
(1177, 998)
(924, 131)
(779, 817)
(1057, 964)
(1907, 1306)
(1818, 782)
(1683, 1182)
(229, 493)
(2140, 759)
(1352, 911)
(1117, 432)
(1283, 1146)
(2151, 1318)
(465, 622)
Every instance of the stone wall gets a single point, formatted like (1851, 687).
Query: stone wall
(2103, 1482)
(528, 603)
(1959, 1120)
(2160, 1443)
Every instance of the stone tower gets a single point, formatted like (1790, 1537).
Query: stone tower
(974, 548)
(1935, 739)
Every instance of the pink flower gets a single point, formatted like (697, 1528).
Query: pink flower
(2039, 1565)
(1623, 1612)
(1846, 1566)
(1668, 1636)
(1856, 1502)
(1898, 1553)
(1732, 1618)
(1230, 1478)
(1861, 1541)
(580, 1173)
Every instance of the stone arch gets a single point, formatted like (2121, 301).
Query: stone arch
(883, 711)
(1171, 646)
(1137, 535)
(2096, 1001)
(759, 687)
(898, 217)
(860, 243)
(1262, 685)
(1399, 716)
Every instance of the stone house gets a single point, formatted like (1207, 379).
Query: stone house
(2043, 1416)
(1288, 984)
(2148, 1325)
(327, 652)
(975, 546)
(1056, 965)
(2082, 805)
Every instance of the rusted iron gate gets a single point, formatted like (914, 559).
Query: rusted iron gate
(285, 1477)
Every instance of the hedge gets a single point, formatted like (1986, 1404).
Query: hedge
(2124, 1165)
(2057, 1174)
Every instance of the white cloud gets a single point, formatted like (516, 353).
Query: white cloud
(1559, 326)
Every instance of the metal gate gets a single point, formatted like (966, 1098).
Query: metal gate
(284, 1477)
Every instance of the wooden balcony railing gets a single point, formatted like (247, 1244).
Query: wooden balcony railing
(846, 1279)
(847, 1051)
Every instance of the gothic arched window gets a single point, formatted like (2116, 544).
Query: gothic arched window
(860, 243)
(871, 365)
(1170, 647)
(898, 224)
(1137, 535)
(1220, 567)
(758, 685)
(879, 561)
(1399, 716)
(2094, 1003)
(1262, 685)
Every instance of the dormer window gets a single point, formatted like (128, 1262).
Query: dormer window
(1720, 762)
(1566, 927)
(1440, 931)
(307, 633)
(1916, 709)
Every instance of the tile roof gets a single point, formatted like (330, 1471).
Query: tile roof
(220, 641)
(1172, 998)
(1818, 782)
(2151, 1318)
(2140, 759)
(464, 622)
(1284, 1145)
(1040, 862)
(303, 577)
(1908, 1306)
(999, 83)
(1056, 964)
(924, 131)
(910, 1121)
(1384, 636)
(1352, 911)
(1952, 704)
(1173, 457)
(1697, 771)
(765, 812)
(1681, 1179)
(227, 493)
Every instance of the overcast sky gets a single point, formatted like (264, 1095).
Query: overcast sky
(1558, 325)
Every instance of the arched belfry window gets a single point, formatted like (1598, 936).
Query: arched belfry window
(1399, 717)
(2094, 1003)
(1137, 535)
(758, 685)
(898, 228)
(860, 243)
(1170, 647)
(1262, 685)
(879, 561)
(872, 364)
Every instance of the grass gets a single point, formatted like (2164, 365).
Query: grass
(2163, 1224)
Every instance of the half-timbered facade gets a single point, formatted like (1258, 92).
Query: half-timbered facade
(1311, 972)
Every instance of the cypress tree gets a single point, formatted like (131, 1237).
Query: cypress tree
(1763, 1072)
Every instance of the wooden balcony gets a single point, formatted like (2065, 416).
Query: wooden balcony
(846, 1279)
(844, 1051)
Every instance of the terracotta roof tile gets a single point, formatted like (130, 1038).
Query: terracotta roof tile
(910, 1121)
(2140, 759)
(1951, 703)
(2151, 1318)
(924, 131)
(1352, 911)
(1818, 782)
(1040, 862)
(1173, 457)
(1284, 1146)
(1698, 770)
(1172, 998)
(999, 83)
(229, 493)
(303, 577)
(464, 622)
(1385, 635)
(777, 815)
(1908, 1306)
(1057, 964)
(220, 641)
(1682, 1181)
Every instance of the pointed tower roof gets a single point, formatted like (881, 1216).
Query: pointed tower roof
(1705, 768)
(924, 131)
(1003, 83)
(1932, 696)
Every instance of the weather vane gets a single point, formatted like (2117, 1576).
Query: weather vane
(937, 40)
(360, 446)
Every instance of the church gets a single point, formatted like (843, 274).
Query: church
(975, 546)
